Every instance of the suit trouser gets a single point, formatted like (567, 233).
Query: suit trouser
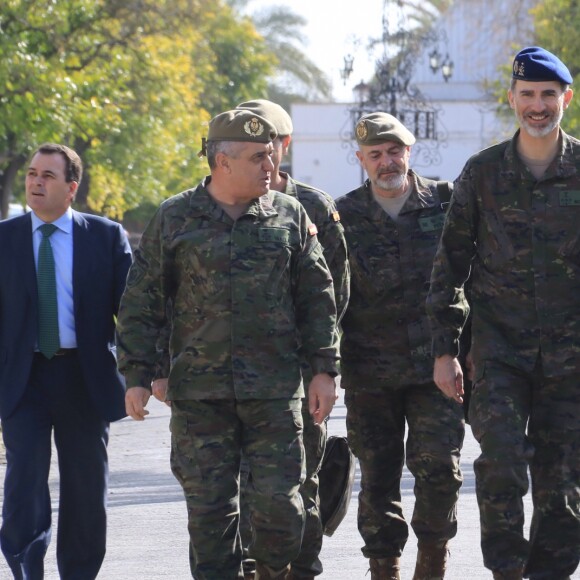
(376, 432)
(208, 437)
(55, 400)
(525, 419)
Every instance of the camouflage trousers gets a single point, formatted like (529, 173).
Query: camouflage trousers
(504, 402)
(207, 441)
(307, 563)
(376, 433)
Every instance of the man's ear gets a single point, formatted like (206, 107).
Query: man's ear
(222, 162)
(510, 97)
(568, 97)
(286, 144)
(72, 189)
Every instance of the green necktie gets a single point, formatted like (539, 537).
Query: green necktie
(48, 340)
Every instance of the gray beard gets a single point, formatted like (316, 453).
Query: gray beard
(537, 132)
(391, 183)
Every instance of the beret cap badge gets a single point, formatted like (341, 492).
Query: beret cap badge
(362, 131)
(253, 127)
(519, 69)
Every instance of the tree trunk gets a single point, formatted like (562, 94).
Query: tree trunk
(7, 177)
(81, 200)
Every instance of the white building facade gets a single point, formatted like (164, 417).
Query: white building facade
(482, 35)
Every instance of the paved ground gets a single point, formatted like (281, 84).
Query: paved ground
(147, 519)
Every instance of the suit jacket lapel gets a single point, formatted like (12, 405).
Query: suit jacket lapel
(22, 241)
(81, 257)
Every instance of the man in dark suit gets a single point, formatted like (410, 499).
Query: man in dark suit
(58, 368)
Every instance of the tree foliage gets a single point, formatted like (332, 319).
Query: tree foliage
(128, 83)
(556, 24)
(295, 77)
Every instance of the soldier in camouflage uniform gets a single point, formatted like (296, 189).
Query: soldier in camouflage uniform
(250, 293)
(322, 211)
(392, 226)
(514, 221)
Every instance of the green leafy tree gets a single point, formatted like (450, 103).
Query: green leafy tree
(556, 25)
(128, 83)
(296, 77)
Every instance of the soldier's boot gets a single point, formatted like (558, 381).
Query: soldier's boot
(431, 562)
(511, 574)
(264, 572)
(385, 568)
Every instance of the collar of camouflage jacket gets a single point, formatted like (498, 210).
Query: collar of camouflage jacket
(563, 166)
(202, 203)
(422, 196)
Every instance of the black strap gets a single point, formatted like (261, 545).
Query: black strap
(444, 190)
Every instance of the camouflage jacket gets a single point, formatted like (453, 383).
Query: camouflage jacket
(248, 298)
(386, 340)
(322, 211)
(521, 239)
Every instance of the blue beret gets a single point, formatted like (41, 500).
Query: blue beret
(537, 64)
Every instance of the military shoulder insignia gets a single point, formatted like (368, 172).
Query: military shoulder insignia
(312, 230)
(362, 131)
(335, 216)
(253, 127)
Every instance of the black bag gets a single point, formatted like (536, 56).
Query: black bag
(336, 479)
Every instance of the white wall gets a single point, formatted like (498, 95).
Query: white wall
(323, 151)
(481, 36)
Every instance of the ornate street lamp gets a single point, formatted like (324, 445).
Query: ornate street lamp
(447, 68)
(346, 71)
(434, 60)
(391, 89)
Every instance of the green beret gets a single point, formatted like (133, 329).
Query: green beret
(271, 111)
(378, 128)
(241, 125)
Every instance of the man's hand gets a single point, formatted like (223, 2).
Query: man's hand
(135, 401)
(159, 390)
(448, 376)
(321, 396)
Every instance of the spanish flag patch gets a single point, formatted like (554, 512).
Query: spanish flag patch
(312, 230)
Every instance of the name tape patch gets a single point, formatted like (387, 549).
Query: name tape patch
(276, 235)
(432, 223)
(569, 198)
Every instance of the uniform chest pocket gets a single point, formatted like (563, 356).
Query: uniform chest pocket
(374, 272)
(568, 220)
(277, 262)
(271, 261)
(571, 250)
(494, 246)
(424, 248)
